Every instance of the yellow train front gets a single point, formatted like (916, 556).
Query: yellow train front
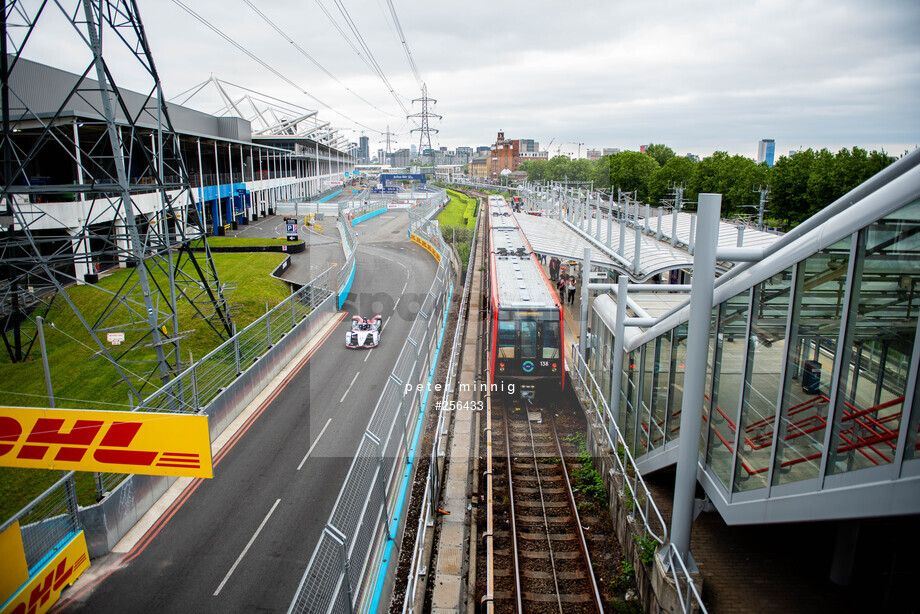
(526, 324)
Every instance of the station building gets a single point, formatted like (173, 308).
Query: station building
(235, 175)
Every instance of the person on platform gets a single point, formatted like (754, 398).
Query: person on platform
(571, 286)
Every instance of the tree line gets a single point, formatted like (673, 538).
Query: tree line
(801, 184)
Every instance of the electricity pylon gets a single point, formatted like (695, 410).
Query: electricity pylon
(93, 180)
(424, 128)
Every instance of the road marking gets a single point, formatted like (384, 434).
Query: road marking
(405, 285)
(369, 351)
(349, 386)
(315, 441)
(246, 549)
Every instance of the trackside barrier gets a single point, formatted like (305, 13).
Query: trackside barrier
(435, 479)
(635, 495)
(354, 557)
(346, 275)
(46, 526)
(219, 385)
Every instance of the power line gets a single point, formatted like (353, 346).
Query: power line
(368, 56)
(265, 64)
(309, 57)
(402, 37)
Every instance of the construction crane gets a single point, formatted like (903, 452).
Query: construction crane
(550, 145)
(561, 145)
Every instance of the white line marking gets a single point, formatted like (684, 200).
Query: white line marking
(315, 441)
(394, 307)
(349, 387)
(369, 351)
(246, 549)
(405, 285)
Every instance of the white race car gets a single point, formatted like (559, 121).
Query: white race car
(364, 333)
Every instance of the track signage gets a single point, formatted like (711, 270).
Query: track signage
(108, 441)
(42, 590)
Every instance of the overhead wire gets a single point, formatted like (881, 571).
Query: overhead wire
(266, 65)
(368, 56)
(303, 52)
(402, 37)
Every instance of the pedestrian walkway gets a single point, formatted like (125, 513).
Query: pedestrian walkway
(774, 568)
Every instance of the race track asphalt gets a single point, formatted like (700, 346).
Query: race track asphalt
(241, 541)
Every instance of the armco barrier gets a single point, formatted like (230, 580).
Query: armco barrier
(354, 556)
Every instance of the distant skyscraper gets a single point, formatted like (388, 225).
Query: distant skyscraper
(765, 150)
(364, 150)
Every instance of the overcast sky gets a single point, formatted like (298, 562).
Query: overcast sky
(698, 76)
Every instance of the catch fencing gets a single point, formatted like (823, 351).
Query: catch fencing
(435, 478)
(353, 558)
(47, 523)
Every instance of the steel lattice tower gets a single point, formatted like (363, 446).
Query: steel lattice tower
(93, 179)
(424, 129)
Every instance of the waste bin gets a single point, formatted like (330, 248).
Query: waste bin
(811, 377)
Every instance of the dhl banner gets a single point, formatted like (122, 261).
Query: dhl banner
(428, 247)
(43, 590)
(107, 441)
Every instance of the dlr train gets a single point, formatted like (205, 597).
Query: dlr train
(526, 323)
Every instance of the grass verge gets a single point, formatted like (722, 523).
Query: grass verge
(81, 382)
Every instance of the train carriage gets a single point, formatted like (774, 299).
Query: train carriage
(526, 329)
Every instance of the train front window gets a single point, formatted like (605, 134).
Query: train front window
(551, 339)
(528, 340)
(506, 339)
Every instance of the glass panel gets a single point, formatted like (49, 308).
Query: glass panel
(659, 398)
(880, 339)
(676, 389)
(707, 383)
(648, 376)
(630, 396)
(729, 359)
(765, 353)
(528, 339)
(507, 335)
(814, 331)
(550, 339)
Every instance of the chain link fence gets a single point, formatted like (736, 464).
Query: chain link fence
(47, 522)
(346, 565)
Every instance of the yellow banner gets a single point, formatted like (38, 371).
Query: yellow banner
(107, 441)
(44, 589)
(13, 568)
(428, 247)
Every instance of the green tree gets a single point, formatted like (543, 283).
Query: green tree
(535, 169)
(734, 177)
(660, 153)
(789, 187)
(677, 170)
(632, 171)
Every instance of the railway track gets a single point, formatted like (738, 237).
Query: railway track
(541, 562)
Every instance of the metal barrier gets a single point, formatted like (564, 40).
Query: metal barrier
(346, 570)
(435, 479)
(636, 491)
